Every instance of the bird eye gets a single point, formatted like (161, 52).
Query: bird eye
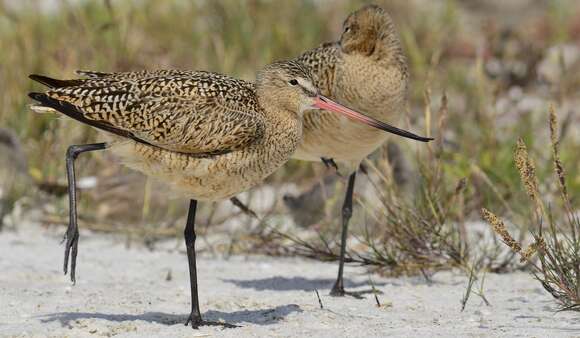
(347, 29)
(293, 82)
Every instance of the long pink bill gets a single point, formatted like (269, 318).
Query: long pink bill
(325, 103)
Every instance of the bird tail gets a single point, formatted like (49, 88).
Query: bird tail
(55, 83)
(51, 83)
(49, 104)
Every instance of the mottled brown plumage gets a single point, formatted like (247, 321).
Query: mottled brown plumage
(209, 135)
(367, 70)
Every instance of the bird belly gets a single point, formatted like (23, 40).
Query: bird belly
(208, 178)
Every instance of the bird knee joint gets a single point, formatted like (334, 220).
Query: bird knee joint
(72, 152)
(347, 212)
(190, 237)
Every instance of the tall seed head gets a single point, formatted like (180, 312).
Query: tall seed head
(500, 229)
(527, 170)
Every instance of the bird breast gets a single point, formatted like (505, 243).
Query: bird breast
(213, 177)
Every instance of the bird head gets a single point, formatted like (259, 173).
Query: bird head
(366, 29)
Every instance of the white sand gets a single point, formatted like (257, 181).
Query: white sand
(124, 292)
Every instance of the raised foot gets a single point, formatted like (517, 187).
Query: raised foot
(196, 321)
(70, 251)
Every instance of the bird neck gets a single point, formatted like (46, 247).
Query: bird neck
(279, 117)
(282, 136)
(275, 104)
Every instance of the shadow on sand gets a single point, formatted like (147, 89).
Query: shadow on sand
(260, 317)
(294, 283)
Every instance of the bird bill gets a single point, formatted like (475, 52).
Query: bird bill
(325, 103)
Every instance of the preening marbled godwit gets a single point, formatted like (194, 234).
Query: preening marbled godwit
(366, 69)
(209, 135)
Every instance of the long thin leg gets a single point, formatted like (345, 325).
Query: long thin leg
(189, 235)
(338, 288)
(72, 232)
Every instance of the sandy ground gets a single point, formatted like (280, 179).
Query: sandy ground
(127, 293)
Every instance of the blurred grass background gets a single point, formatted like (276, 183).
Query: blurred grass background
(500, 65)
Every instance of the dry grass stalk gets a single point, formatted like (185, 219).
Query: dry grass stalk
(573, 220)
(477, 171)
(441, 123)
(427, 98)
(558, 167)
(472, 272)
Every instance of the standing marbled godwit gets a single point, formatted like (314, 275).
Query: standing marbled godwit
(209, 135)
(367, 70)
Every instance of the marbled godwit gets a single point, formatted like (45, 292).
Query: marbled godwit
(366, 69)
(209, 135)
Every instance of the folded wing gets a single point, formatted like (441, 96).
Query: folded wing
(189, 112)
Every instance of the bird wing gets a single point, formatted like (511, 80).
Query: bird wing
(188, 112)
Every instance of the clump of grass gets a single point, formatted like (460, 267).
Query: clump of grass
(557, 266)
(426, 231)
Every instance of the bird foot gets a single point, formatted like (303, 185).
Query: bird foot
(196, 321)
(338, 291)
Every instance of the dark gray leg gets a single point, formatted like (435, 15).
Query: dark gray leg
(72, 232)
(338, 288)
(329, 163)
(189, 235)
